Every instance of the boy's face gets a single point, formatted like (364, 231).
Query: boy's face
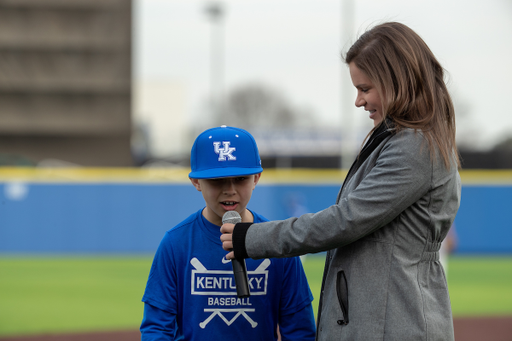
(226, 194)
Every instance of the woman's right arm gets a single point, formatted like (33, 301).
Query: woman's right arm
(401, 176)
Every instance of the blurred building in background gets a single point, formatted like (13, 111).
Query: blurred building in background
(159, 120)
(66, 100)
(65, 82)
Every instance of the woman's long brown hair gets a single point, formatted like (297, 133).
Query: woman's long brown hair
(410, 81)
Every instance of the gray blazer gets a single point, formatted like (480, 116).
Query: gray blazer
(382, 278)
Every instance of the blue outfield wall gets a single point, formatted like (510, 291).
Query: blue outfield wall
(114, 212)
(484, 223)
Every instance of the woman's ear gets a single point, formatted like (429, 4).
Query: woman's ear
(196, 184)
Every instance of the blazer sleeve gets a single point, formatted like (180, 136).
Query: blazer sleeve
(401, 176)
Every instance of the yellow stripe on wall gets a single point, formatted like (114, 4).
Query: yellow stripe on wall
(180, 175)
(95, 175)
(486, 177)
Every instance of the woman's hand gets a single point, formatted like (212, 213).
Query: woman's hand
(227, 239)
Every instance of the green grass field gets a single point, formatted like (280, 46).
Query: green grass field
(66, 294)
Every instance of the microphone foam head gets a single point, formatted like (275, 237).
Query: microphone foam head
(231, 217)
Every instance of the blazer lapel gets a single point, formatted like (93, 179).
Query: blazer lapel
(384, 130)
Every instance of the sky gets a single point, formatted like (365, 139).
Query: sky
(294, 47)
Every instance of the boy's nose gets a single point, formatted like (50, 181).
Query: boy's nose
(229, 186)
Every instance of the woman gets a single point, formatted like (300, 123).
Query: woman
(382, 278)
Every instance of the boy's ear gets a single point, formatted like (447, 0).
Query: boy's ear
(256, 179)
(196, 184)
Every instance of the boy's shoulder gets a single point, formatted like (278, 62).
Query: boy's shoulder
(181, 235)
(194, 219)
(186, 223)
(258, 218)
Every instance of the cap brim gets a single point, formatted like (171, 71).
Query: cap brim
(224, 173)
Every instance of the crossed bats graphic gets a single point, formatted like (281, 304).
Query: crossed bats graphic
(242, 311)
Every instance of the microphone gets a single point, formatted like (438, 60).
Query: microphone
(239, 268)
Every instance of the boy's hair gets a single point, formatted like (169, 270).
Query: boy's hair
(224, 152)
(410, 81)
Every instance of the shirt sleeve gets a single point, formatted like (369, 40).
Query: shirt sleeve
(161, 288)
(299, 325)
(296, 318)
(160, 300)
(157, 325)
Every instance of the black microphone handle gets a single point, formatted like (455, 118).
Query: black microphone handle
(241, 279)
(239, 267)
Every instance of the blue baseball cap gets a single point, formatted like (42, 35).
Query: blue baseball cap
(224, 152)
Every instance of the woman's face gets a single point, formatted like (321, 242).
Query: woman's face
(367, 94)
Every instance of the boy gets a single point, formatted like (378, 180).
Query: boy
(191, 294)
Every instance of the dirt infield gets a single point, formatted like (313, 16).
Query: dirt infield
(466, 329)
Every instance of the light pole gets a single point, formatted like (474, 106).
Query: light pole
(348, 133)
(215, 12)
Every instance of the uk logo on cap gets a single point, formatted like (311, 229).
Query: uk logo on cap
(226, 152)
(234, 153)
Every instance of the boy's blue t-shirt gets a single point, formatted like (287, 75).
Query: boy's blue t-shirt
(191, 278)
